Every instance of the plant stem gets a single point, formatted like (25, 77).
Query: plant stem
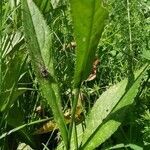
(75, 135)
(1, 46)
(130, 49)
(130, 56)
(74, 105)
(129, 26)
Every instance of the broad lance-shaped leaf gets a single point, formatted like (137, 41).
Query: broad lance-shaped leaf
(108, 112)
(38, 37)
(88, 21)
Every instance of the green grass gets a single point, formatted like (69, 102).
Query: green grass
(114, 106)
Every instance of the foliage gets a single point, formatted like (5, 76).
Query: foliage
(51, 78)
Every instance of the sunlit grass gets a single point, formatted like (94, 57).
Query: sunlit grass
(22, 104)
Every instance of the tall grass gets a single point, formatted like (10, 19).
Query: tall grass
(53, 94)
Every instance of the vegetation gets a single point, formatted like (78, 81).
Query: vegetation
(74, 74)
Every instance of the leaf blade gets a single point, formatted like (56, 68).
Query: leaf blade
(88, 27)
(103, 126)
(38, 38)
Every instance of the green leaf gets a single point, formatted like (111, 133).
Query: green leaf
(12, 44)
(19, 128)
(11, 73)
(55, 3)
(108, 112)
(38, 38)
(119, 146)
(22, 133)
(5, 95)
(80, 129)
(88, 21)
(44, 6)
(22, 127)
(146, 54)
(134, 147)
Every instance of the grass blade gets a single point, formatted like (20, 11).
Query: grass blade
(12, 72)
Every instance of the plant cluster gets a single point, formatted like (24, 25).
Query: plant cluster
(74, 74)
